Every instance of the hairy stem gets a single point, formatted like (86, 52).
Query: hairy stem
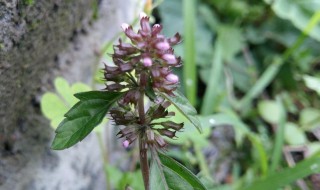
(144, 163)
(142, 141)
(141, 100)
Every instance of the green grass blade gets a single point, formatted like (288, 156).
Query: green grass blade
(279, 179)
(262, 83)
(210, 100)
(189, 68)
(279, 141)
(274, 68)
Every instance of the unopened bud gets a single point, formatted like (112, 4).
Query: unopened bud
(170, 58)
(172, 125)
(161, 143)
(147, 61)
(167, 133)
(143, 15)
(150, 135)
(172, 78)
(125, 143)
(163, 46)
(156, 29)
(125, 26)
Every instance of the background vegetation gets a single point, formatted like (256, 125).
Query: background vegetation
(251, 70)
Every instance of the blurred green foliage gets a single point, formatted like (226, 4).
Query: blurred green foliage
(249, 64)
(256, 64)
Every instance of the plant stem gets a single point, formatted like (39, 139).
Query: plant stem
(141, 100)
(143, 150)
(144, 163)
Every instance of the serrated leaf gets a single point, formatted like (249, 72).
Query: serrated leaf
(83, 117)
(176, 176)
(183, 105)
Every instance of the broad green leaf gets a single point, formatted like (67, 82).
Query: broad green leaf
(83, 117)
(176, 175)
(299, 13)
(231, 41)
(55, 105)
(79, 87)
(309, 118)
(312, 83)
(294, 135)
(157, 178)
(270, 111)
(183, 105)
(313, 148)
(64, 89)
(52, 107)
(281, 178)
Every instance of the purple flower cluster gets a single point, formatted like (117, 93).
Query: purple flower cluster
(149, 52)
(145, 63)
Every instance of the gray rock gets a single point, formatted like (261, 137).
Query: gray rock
(40, 40)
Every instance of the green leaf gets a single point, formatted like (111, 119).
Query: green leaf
(176, 176)
(64, 89)
(294, 135)
(157, 178)
(299, 13)
(83, 117)
(309, 118)
(270, 111)
(55, 105)
(231, 41)
(281, 178)
(183, 105)
(52, 107)
(312, 83)
(313, 148)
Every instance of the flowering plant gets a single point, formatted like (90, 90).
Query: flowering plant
(142, 68)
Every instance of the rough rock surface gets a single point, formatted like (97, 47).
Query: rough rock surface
(39, 40)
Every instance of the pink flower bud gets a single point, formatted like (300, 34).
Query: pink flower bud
(163, 46)
(156, 29)
(143, 15)
(125, 26)
(147, 61)
(172, 78)
(170, 58)
(126, 144)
